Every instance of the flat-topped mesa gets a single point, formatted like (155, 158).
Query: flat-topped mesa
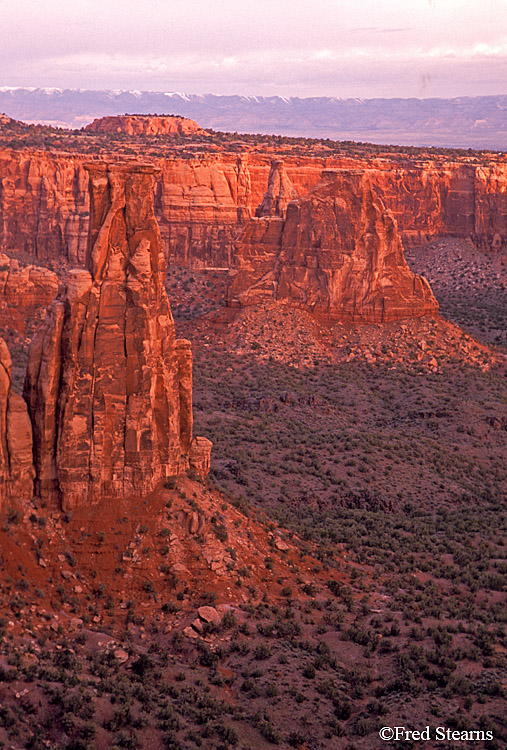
(16, 461)
(108, 384)
(338, 254)
(145, 125)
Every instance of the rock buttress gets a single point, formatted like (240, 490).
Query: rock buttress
(279, 194)
(108, 384)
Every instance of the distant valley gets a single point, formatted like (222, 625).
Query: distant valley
(464, 122)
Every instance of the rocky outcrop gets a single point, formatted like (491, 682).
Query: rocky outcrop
(200, 455)
(145, 125)
(16, 462)
(108, 384)
(30, 286)
(338, 254)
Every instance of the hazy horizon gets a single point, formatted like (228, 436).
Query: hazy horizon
(430, 48)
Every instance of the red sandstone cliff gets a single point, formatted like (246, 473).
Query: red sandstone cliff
(108, 385)
(280, 192)
(202, 205)
(338, 253)
(44, 206)
(145, 125)
(16, 463)
(490, 207)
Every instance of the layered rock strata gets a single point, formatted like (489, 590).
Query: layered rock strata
(202, 205)
(108, 384)
(29, 286)
(280, 192)
(16, 463)
(338, 253)
(44, 205)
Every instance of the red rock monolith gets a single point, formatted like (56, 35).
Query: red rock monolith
(16, 461)
(108, 384)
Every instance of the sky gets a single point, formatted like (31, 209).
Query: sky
(343, 48)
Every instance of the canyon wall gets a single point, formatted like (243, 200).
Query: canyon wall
(336, 252)
(202, 205)
(44, 206)
(109, 387)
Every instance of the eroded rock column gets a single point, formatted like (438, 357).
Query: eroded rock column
(16, 462)
(107, 391)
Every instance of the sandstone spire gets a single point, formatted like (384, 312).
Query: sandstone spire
(108, 384)
(16, 463)
(280, 192)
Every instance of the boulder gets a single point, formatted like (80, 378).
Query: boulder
(209, 614)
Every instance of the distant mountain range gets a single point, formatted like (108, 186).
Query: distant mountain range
(464, 122)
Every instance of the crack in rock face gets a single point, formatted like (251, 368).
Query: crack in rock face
(16, 464)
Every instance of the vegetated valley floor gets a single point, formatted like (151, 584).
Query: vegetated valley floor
(382, 452)
(404, 466)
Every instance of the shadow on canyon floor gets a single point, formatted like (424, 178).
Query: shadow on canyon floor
(381, 604)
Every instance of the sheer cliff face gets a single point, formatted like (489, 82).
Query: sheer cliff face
(202, 205)
(108, 384)
(338, 253)
(491, 208)
(280, 192)
(16, 464)
(44, 205)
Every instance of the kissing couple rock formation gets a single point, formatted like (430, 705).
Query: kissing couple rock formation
(108, 384)
(337, 252)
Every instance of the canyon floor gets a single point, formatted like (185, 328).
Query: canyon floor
(348, 548)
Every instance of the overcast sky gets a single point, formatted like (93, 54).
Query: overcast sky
(345, 48)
